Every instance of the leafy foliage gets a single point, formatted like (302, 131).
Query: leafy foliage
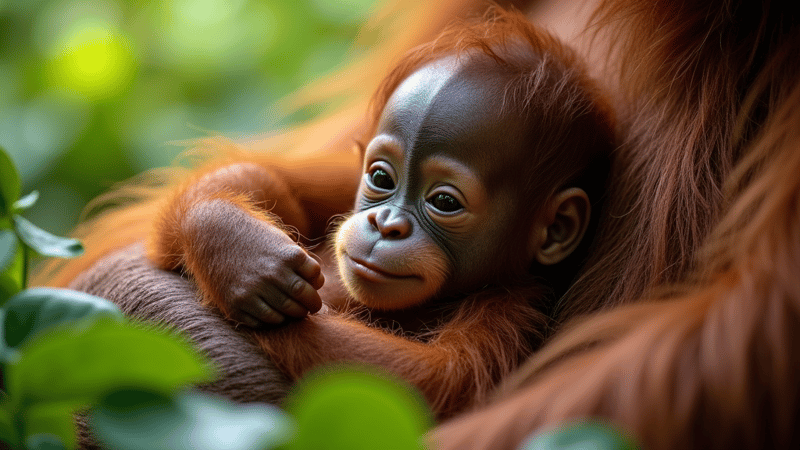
(77, 364)
(346, 408)
(9, 184)
(18, 235)
(33, 310)
(8, 248)
(45, 243)
(186, 420)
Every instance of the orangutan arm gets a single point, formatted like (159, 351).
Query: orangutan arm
(455, 369)
(229, 228)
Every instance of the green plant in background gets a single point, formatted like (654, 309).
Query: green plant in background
(18, 236)
(93, 91)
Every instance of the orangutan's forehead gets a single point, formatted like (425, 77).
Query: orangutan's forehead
(455, 108)
(408, 106)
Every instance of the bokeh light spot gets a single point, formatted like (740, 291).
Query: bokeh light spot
(207, 39)
(94, 61)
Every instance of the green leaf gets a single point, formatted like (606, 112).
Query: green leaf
(44, 243)
(354, 409)
(7, 433)
(9, 183)
(8, 286)
(50, 426)
(133, 420)
(584, 434)
(7, 354)
(11, 279)
(26, 202)
(44, 442)
(33, 310)
(81, 364)
(8, 248)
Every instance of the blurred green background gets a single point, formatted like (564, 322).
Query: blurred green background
(94, 91)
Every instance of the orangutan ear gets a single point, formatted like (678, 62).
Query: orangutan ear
(559, 228)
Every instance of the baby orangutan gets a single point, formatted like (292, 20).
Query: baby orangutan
(490, 147)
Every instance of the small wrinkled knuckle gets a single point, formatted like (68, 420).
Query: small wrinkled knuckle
(295, 255)
(234, 303)
(316, 268)
(274, 318)
(237, 293)
(296, 288)
(284, 304)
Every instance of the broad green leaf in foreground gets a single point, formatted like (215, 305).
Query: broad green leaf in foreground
(137, 420)
(7, 433)
(580, 435)
(9, 183)
(33, 310)
(80, 364)
(348, 409)
(44, 243)
(7, 354)
(51, 425)
(44, 442)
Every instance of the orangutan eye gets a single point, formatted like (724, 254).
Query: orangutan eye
(381, 179)
(445, 203)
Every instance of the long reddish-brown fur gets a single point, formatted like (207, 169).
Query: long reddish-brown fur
(715, 367)
(713, 361)
(682, 71)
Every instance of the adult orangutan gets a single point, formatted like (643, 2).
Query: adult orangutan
(714, 361)
(713, 365)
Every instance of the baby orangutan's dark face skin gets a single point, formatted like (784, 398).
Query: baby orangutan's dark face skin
(441, 194)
